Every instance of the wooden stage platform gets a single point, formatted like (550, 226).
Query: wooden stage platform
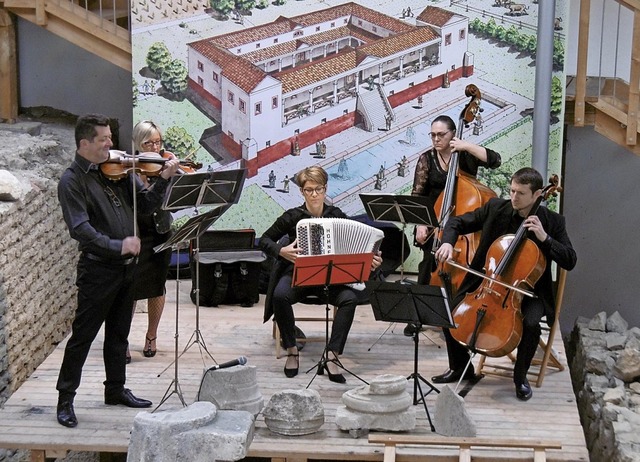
(28, 421)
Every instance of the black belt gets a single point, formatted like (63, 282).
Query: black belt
(109, 261)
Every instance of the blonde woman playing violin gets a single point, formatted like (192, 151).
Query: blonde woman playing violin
(151, 274)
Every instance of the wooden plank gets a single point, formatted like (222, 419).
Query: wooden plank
(634, 84)
(8, 68)
(581, 69)
(28, 418)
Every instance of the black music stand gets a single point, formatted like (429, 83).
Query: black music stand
(415, 210)
(427, 305)
(190, 230)
(327, 270)
(219, 189)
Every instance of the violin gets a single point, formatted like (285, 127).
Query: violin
(489, 320)
(120, 164)
(462, 193)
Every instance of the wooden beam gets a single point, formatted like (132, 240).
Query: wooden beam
(610, 127)
(581, 70)
(8, 68)
(634, 84)
(41, 13)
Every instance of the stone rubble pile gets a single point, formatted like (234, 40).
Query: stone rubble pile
(605, 370)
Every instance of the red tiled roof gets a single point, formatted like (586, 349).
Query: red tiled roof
(398, 43)
(352, 9)
(238, 70)
(254, 34)
(435, 16)
(316, 71)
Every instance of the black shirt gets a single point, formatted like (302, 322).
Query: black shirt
(98, 211)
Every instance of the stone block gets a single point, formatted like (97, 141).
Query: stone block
(294, 412)
(451, 418)
(198, 432)
(233, 388)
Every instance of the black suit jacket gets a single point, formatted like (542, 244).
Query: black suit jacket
(493, 220)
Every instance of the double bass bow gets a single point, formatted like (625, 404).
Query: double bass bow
(489, 320)
(462, 193)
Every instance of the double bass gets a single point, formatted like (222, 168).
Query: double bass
(462, 193)
(489, 320)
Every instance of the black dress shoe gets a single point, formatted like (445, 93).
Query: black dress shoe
(65, 414)
(126, 398)
(523, 391)
(453, 376)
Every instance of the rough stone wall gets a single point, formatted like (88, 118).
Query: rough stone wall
(37, 256)
(605, 369)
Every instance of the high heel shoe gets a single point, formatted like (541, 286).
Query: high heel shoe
(148, 352)
(337, 378)
(290, 373)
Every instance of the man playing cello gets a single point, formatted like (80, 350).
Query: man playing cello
(496, 218)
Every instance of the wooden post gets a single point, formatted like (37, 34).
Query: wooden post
(634, 82)
(8, 68)
(581, 71)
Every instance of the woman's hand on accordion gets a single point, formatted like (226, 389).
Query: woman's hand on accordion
(290, 252)
(377, 261)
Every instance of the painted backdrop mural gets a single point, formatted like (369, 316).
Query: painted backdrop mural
(353, 87)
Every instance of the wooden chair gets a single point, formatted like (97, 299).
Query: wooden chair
(320, 317)
(545, 347)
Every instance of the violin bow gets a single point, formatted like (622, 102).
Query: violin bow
(488, 278)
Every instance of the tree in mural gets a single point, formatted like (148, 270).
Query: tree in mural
(174, 78)
(557, 98)
(158, 57)
(179, 141)
(262, 4)
(245, 6)
(136, 92)
(279, 2)
(222, 7)
(558, 53)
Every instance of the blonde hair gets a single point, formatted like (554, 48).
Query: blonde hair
(313, 173)
(142, 132)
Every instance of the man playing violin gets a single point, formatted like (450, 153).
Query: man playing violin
(99, 214)
(497, 218)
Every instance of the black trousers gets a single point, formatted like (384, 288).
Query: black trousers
(532, 310)
(105, 296)
(284, 296)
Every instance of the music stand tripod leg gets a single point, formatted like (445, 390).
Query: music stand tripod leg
(174, 383)
(417, 387)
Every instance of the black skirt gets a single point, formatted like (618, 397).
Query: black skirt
(152, 269)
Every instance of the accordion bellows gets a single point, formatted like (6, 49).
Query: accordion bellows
(324, 236)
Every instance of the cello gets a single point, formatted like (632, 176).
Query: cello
(462, 193)
(489, 320)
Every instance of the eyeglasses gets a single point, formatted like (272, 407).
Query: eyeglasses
(151, 144)
(439, 135)
(318, 190)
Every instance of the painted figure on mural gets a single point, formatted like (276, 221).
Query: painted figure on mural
(272, 179)
(285, 183)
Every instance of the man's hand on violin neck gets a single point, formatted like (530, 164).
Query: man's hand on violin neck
(130, 245)
(170, 168)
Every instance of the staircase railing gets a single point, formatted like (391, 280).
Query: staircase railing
(98, 26)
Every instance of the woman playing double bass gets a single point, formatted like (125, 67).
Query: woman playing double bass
(496, 218)
(431, 176)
